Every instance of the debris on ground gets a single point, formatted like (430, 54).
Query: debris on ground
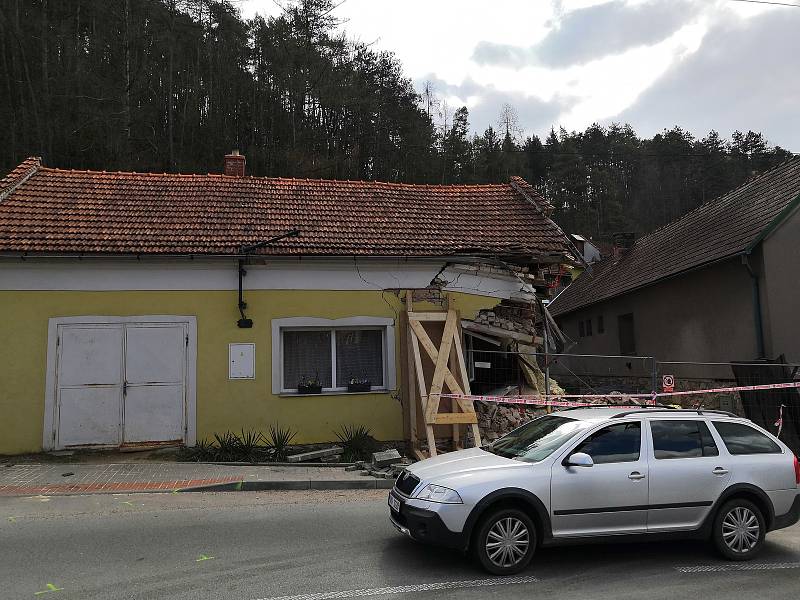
(315, 455)
(386, 458)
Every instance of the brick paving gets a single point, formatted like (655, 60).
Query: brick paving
(76, 478)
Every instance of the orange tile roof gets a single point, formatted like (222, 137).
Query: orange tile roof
(56, 211)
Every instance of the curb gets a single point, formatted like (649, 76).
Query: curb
(322, 484)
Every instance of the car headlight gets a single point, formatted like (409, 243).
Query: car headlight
(438, 493)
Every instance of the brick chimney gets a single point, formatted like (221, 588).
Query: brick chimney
(234, 164)
(623, 242)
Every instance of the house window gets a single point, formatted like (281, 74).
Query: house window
(601, 328)
(627, 339)
(588, 327)
(581, 330)
(334, 356)
(333, 351)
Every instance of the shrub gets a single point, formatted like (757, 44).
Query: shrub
(357, 442)
(279, 440)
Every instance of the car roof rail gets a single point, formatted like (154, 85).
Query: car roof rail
(609, 405)
(699, 411)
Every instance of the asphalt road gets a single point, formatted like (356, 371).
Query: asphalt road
(327, 546)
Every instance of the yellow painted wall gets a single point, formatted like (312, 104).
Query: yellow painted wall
(222, 404)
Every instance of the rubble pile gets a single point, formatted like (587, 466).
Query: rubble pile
(510, 318)
(384, 465)
(495, 420)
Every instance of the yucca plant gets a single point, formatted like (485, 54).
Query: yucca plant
(202, 451)
(251, 446)
(357, 442)
(279, 440)
(227, 446)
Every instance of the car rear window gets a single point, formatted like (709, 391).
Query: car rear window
(682, 439)
(743, 439)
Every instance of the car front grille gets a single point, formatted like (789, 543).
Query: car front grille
(406, 483)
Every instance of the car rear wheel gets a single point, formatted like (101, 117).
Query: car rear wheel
(739, 530)
(505, 542)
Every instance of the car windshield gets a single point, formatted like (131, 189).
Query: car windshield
(538, 439)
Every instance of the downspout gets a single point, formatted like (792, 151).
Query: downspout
(756, 305)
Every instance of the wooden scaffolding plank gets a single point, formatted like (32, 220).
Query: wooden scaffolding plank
(411, 386)
(441, 366)
(449, 367)
(419, 316)
(455, 418)
(433, 353)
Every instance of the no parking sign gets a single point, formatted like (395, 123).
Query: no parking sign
(668, 383)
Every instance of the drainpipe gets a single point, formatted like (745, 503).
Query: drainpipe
(756, 306)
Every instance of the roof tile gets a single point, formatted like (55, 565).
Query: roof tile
(64, 211)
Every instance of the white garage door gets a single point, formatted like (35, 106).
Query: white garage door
(120, 383)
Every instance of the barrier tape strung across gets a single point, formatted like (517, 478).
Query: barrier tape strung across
(558, 399)
(538, 401)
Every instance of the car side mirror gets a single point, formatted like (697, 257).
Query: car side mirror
(579, 459)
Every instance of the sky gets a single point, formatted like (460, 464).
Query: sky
(700, 64)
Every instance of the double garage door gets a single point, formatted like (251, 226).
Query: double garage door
(120, 383)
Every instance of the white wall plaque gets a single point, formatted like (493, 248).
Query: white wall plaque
(241, 361)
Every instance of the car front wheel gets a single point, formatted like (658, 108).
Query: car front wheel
(739, 530)
(505, 542)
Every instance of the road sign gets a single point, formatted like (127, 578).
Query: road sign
(668, 383)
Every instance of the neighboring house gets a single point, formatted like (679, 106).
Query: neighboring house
(141, 307)
(719, 284)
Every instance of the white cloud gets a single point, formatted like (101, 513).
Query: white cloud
(585, 71)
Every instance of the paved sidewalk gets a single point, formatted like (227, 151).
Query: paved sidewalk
(77, 478)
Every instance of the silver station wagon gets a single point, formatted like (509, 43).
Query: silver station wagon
(604, 472)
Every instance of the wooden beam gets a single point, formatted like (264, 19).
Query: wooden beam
(412, 389)
(425, 340)
(433, 353)
(420, 316)
(497, 332)
(441, 364)
(451, 418)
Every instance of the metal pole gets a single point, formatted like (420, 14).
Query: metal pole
(546, 354)
(654, 383)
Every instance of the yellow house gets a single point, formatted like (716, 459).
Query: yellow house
(139, 308)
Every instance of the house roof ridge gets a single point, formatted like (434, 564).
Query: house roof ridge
(19, 175)
(362, 182)
(718, 200)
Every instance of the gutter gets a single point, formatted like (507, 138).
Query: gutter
(756, 304)
(466, 259)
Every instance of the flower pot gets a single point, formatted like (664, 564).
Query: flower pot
(309, 389)
(359, 387)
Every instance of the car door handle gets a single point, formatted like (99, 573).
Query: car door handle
(636, 476)
(720, 471)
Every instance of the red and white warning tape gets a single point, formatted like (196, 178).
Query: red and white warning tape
(542, 401)
(558, 399)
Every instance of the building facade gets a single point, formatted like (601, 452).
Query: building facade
(144, 308)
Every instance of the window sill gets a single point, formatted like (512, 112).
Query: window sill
(333, 393)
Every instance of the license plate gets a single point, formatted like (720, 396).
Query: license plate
(394, 503)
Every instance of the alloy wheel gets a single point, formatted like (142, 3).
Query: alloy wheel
(741, 530)
(507, 542)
